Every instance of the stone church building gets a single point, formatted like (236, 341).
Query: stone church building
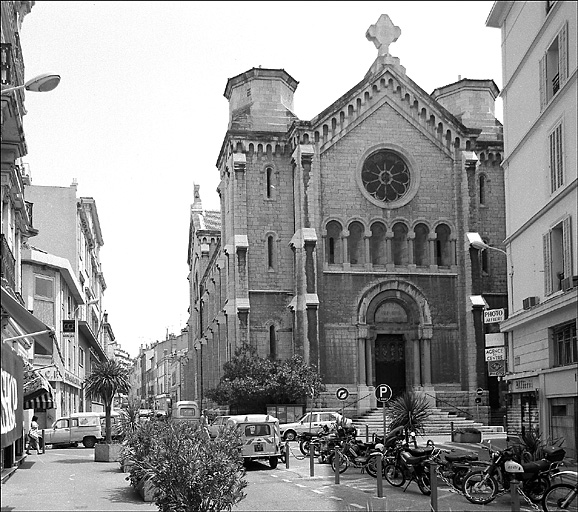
(343, 238)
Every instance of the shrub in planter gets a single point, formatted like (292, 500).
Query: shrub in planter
(188, 470)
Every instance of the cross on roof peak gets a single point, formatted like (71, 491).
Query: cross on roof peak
(382, 34)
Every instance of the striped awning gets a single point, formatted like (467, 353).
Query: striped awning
(38, 393)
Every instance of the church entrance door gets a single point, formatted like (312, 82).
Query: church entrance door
(390, 362)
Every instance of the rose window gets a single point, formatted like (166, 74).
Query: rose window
(385, 176)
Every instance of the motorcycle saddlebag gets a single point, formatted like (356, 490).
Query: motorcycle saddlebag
(554, 453)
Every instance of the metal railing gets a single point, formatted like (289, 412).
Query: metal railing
(8, 263)
(469, 415)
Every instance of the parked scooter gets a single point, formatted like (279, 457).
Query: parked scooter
(481, 487)
(357, 454)
(454, 467)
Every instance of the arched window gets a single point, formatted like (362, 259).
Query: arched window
(355, 243)
(443, 246)
(399, 244)
(482, 189)
(377, 244)
(272, 342)
(421, 247)
(333, 248)
(270, 252)
(269, 185)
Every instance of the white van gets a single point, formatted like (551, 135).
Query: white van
(114, 421)
(260, 435)
(77, 428)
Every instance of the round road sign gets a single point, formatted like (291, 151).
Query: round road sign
(383, 393)
(342, 393)
(480, 391)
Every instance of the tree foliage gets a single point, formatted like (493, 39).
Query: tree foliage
(410, 410)
(107, 378)
(250, 382)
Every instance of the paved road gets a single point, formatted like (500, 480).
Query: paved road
(68, 479)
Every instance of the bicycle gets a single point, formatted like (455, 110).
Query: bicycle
(562, 496)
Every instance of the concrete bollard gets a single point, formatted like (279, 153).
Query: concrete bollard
(287, 454)
(337, 465)
(311, 460)
(433, 479)
(367, 433)
(515, 496)
(43, 442)
(380, 476)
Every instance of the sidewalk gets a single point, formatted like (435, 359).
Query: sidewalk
(67, 479)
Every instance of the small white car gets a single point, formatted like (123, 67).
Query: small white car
(217, 424)
(310, 422)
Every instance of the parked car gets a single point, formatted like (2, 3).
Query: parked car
(82, 428)
(310, 422)
(217, 424)
(260, 437)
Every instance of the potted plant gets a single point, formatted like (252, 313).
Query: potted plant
(467, 435)
(106, 380)
(128, 424)
(410, 411)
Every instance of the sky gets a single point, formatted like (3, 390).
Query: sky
(139, 116)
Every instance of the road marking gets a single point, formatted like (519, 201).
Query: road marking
(335, 498)
(300, 485)
(356, 505)
(317, 491)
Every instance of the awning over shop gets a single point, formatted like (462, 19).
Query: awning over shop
(38, 393)
(27, 322)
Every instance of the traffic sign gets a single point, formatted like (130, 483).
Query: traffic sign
(497, 368)
(480, 391)
(383, 393)
(342, 393)
(494, 315)
(478, 400)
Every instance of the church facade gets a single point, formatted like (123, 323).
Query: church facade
(343, 238)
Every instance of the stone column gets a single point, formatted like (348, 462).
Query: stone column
(361, 361)
(388, 250)
(416, 363)
(426, 344)
(345, 250)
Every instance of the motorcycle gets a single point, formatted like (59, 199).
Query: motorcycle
(410, 464)
(454, 467)
(481, 487)
(357, 454)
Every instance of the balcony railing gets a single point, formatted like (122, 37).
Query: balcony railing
(8, 263)
(555, 84)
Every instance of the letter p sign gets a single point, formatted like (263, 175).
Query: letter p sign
(383, 393)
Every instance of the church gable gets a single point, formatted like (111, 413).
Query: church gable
(387, 83)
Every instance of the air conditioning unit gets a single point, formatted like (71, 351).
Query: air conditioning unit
(530, 302)
(569, 282)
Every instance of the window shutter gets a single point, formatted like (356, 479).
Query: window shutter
(563, 54)
(547, 264)
(543, 89)
(567, 243)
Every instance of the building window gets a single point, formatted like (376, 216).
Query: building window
(556, 149)
(400, 244)
(482, 190)
(385, 176)
(443, 246)
(554, 67)
(377, 244)
(333, 249)
(269, 182)
(272, 342)
(355, 242)
(421, 247)
(80, 356)
(44, 287)
(564, 338)
(270, 252)
(557, 248)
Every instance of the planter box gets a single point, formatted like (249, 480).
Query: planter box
(107, 452)
(146, 489)
(467, 437)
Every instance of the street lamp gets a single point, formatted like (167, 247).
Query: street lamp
(475, 240)
(41, 83)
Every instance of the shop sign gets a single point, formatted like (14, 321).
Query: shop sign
(522, 385)
(493, 315)
(497, 368)
(495, 354)
(12, 396)
(495, 339)
(72, 379)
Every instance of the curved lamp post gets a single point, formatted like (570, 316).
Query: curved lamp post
(41, 83)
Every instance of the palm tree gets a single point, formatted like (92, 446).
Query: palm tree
(106, 380)
(410, 410)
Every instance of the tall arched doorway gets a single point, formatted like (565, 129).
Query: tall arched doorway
(394, 333)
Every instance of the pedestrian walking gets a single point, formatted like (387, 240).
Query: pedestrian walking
(34, 436)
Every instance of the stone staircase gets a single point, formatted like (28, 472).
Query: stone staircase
(438, 423)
